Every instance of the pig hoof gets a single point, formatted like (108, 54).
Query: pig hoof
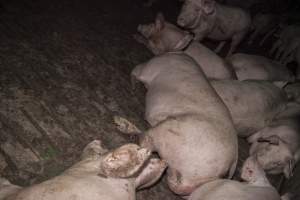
(125, 126)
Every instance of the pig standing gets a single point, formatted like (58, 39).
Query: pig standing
(192, 129)
(259, 68)
(99, 175)
(252, 104)
(206, 18)
(277, 146)
(256, 186)
(161, 37)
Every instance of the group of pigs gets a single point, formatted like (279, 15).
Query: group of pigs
(197, 104)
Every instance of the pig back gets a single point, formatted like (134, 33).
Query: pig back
(252, 104)
(180, 87)
(233, 190)
(212, 65)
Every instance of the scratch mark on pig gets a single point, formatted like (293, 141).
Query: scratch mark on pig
(174, 132)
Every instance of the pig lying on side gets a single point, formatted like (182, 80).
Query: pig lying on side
(277, 146)
(191, 129)
(161, 37)
(99, 175)
(252, 104)
(206, 18)
(259, 68)
(256, 186)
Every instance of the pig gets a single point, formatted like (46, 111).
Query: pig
(207, 18)
(101, 174)
(261, 25)
(161, 37)
(191, 128)
(257, 67)
(256, 186)
(277, 146)
(7, 188)
(253, 104)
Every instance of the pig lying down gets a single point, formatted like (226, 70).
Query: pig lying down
(253, 104)
(207, 18)
(99, 175)
(277, 146)
(191, 127)
(255, 187)
(259, 68)
(161, 37)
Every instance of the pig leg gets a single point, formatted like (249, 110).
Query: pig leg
(287, 53)
(147, 142)
(177, 185)
(253, 36)
(267, 36)
(275, 47)
(220, 47)
(279, 52)
(236, 39)
(151, 173)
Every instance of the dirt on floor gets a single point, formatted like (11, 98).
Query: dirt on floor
(64, 74)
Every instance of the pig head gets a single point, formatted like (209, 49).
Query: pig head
(256, 186)
(162, 36)
(112, 175)
(277, 146)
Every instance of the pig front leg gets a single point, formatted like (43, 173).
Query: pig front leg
(151, 173)
(253, 36)
(275, 47)
(267, 36)
(236, 39)
(220, 47)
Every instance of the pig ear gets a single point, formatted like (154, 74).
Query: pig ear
(274, 139)
(289, 167)
(184, 42)
(93, 148)
(124, 162)
(160, 21)
(151, 173)
(208, 6)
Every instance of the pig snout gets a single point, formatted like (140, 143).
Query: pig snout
(188, 15)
